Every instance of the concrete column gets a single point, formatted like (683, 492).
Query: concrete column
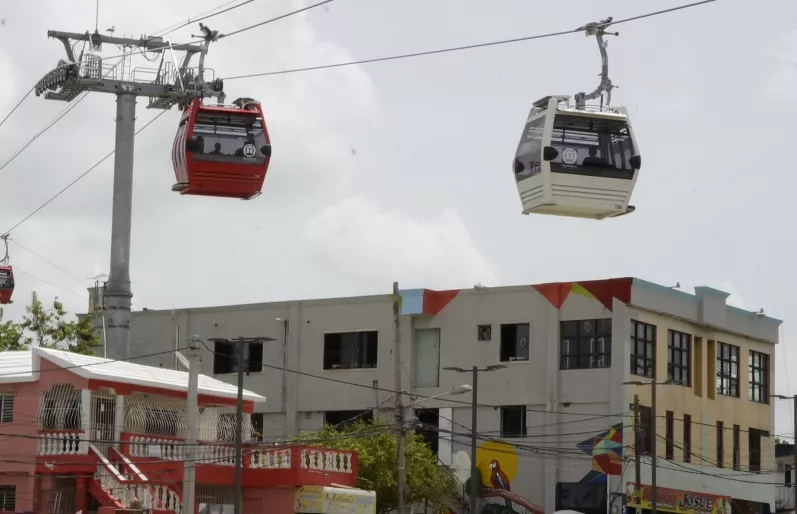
(85, 420)
(549, 336)
(119, 420)
(291, 382)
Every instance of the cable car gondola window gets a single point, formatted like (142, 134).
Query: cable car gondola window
(6, 280)
(529, 152)
(222, 137)
(592, 146)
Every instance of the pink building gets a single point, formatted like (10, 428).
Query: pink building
(78, 433)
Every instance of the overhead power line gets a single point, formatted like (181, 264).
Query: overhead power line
(34, 277)
(457, 48)
(51, 263)
(21, 101)
(79, 177)
(199, 17)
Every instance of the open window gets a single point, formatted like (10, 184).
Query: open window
(225, 357)
(350, 350)
(515, 342)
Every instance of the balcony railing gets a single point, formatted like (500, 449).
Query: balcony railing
(63, 442)
(784, 497)
(256, 455)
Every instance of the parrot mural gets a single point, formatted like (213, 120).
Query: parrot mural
(498, 479)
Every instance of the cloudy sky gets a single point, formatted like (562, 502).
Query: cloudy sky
(401, 170)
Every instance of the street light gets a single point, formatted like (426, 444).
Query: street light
(461, 389)
(653, 436)
(474, 491)
(794, 446)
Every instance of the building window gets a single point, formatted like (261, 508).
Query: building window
(225, 357)
(350, 350)
(515, 341)
(586, 344)
(759, 377)
(8, 498)
(669, 436)
(736, 457)
(644, 433)
(513, 421)
(485, 333)
(6, 407)
(728, 370)
(679, 357)
(720, 444)
(429, 427)
(258, 426)
(643, 349)
(687, 438)
(754, 447)
(344, 418)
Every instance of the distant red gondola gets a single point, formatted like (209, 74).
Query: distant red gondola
(6, 284)
(221, 151)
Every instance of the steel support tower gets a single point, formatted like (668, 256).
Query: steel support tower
(172, 83)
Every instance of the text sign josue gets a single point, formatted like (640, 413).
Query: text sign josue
(311, 499)
(679, 502)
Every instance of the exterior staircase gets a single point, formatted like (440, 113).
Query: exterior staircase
(120, 484)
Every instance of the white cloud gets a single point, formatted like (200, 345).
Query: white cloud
(357, 238)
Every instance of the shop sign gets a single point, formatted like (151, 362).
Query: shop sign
(311, 499)
(676, 501)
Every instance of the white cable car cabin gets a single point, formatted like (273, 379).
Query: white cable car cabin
(576, 162)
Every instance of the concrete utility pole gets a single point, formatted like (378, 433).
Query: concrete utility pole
(189, 469)
(637, 457)
(174, 84)
(401, 471)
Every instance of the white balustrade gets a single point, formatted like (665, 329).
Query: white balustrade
(62, 443)
(271, 459)
(327, 460)
(151, 496)
(171, 449)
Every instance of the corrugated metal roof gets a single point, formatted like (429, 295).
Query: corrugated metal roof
(18, 366)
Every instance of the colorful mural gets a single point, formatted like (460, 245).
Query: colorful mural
(497, 462)
(606, 449)
(604, 291)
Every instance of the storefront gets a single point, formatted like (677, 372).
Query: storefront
(312, 499)
(688, 502)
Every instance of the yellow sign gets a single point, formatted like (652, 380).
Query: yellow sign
(315, 499)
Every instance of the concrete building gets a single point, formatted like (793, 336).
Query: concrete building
(561, 406)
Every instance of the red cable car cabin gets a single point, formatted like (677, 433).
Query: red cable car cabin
(221, 150)
(6, 284)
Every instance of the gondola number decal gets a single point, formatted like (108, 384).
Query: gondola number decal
(249, 150)
(569, 156)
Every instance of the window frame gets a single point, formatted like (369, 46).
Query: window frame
(679, 343)
(648, 356)
(8, 498)
(725, 382)
(761, 387)
(643, 437)
(7, 406)
(507, 409)
(737, 458)
(753, 453)
(517, 343)
(362, 342)
(687, 444)
(720, 444)
(594, 358)
(669, 437)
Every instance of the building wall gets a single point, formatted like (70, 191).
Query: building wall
(565, 409)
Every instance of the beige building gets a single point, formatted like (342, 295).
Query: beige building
(558, 418)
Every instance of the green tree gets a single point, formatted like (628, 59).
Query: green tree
(10, 335)
(48, 328)
(375, 444)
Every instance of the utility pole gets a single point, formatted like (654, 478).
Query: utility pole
(174, 84)
(637, 457)
(474, 469)
(189, 466)
(653, 491)
(401, 471)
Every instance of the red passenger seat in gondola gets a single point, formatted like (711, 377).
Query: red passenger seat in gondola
(221, 151)
(6, 284)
